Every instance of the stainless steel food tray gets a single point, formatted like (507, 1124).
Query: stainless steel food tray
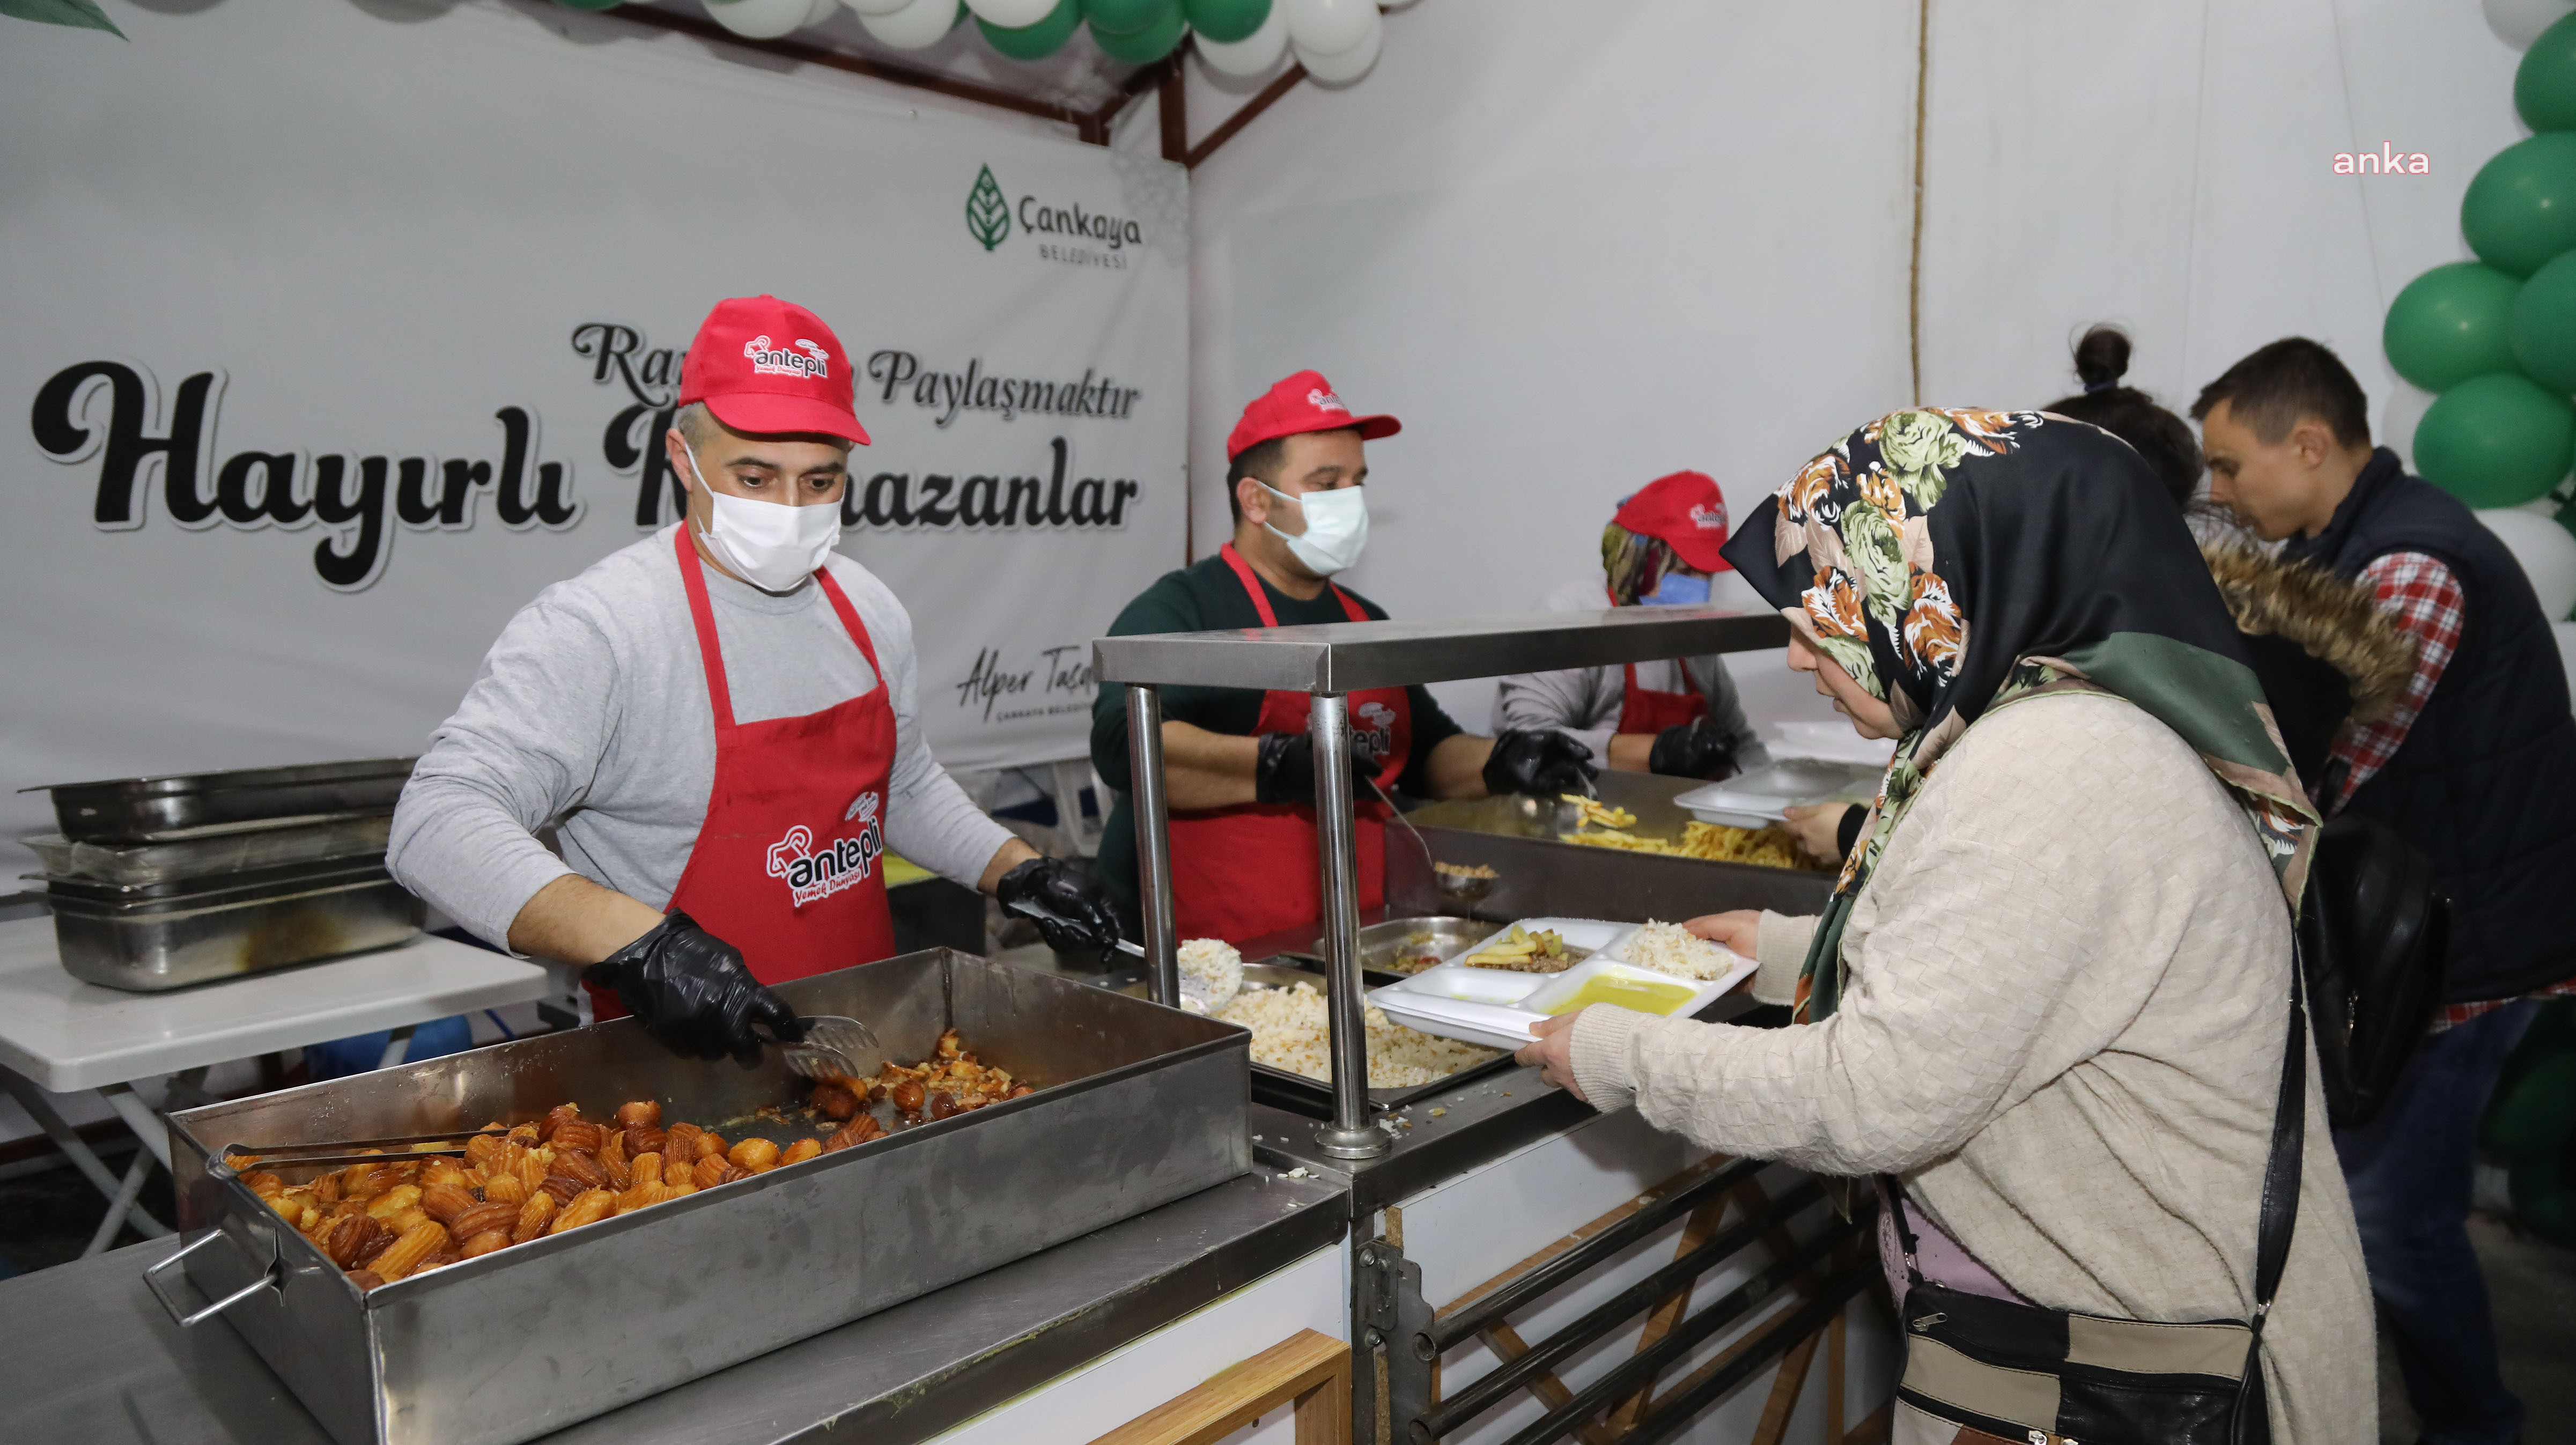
(145, 809)
(154, 944)
(212, 888)
(1137, 1105)
(357, 835)
(1314, 1097)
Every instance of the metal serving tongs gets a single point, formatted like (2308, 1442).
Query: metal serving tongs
(835, 1046)
(389, 1151)
(1048, 915)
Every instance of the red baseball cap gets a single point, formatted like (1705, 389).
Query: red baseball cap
(1301, 403)
(1687, 512)
(764, 366)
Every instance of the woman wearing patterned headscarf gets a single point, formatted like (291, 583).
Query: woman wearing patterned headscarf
(2050, 991)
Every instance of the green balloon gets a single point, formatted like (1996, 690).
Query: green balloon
(2544, 85)
(2543, 1198)
(1034, 42)
(2543, 325)
(1149, 44)
(1227, 21)
(2521, 207)
(2496, 441)
(2450, 324)
(1122, 17)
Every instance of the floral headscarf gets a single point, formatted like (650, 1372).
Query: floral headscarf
(2079, 575)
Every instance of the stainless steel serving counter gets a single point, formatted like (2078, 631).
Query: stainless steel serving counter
(86, 1354)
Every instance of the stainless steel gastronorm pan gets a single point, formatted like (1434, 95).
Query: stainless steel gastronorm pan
(149, 808)
(1137, 1105)
(1314, 1097)
(355, 836)
(152, 944)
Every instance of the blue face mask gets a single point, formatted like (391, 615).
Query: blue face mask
(1677, 589)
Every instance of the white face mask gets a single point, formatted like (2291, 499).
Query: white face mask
(770, 545)
(1336, 528)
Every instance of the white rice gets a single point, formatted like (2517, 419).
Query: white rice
(1211, 972)
(1668, 948)
(1288, 1033)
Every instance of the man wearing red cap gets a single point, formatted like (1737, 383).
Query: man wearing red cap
(718, 724)
(1241, 766)
(1682, 717)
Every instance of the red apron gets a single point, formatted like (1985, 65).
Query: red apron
(1241, 872)
(1643, 710)
(786, 864)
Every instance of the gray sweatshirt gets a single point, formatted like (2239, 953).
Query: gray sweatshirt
(591, 717)
(1585, 702)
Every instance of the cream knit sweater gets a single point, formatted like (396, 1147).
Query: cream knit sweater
(2069, 987)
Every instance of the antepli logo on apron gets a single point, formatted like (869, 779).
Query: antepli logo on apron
(844, 862)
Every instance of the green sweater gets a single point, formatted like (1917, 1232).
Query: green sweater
(1202, 597)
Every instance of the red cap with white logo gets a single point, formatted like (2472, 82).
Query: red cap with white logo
(1302, 403)
(1686, 512)
(766, 366)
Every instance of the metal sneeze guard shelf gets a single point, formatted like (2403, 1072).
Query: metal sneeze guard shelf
(1329, 661)
(1349, 656)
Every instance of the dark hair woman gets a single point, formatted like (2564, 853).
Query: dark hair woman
(2164, 439)
(2049, 997)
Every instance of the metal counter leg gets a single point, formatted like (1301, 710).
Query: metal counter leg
(1152, 814)
(32, 1099)
(1351, 1135)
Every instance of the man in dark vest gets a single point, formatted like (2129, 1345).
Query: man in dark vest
(2476, 767)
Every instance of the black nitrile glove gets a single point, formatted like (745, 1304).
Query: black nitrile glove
(694, 993)
(1084, 915)
(1695, 749)
(1285, 772)
(1542, 764)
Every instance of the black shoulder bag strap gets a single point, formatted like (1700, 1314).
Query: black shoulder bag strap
(2280, 1218)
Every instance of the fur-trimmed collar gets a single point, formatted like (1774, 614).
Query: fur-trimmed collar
(2336, 621)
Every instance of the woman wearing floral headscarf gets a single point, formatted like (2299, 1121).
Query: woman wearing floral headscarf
(2050, 991)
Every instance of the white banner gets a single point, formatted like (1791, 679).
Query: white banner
(332, 340)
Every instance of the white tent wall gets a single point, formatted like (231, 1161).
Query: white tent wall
(1575, 246)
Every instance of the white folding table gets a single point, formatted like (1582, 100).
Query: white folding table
(60, 1035)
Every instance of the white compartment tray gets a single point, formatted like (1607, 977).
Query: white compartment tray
(1764, 796)
(1486, 1005)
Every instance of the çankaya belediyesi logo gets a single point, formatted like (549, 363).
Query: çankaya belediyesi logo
(990, 215)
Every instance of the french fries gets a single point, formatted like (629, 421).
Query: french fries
(1597, 814)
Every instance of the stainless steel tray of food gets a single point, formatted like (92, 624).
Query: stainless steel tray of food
(1313, 1098)
(1403, 946)
(353, 836)
(160, 943)
(193, 804)
(1135, 1106)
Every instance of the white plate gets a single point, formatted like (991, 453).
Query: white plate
(1765, 795)
(1498, 1008)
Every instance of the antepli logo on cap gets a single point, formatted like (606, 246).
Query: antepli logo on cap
(1322, 400)
(1708, 518)
(807, 360)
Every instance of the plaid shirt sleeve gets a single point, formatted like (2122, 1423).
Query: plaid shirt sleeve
(2424, 599)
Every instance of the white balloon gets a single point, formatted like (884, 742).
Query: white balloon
(2519, 22)
(760, 19)
(1327, 27)
(1012, 14)
(2406, 407)
(1343, 67)
(821, 12)
(1254, 53)
(916, 26)
(2546, 551)
(881, 7)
